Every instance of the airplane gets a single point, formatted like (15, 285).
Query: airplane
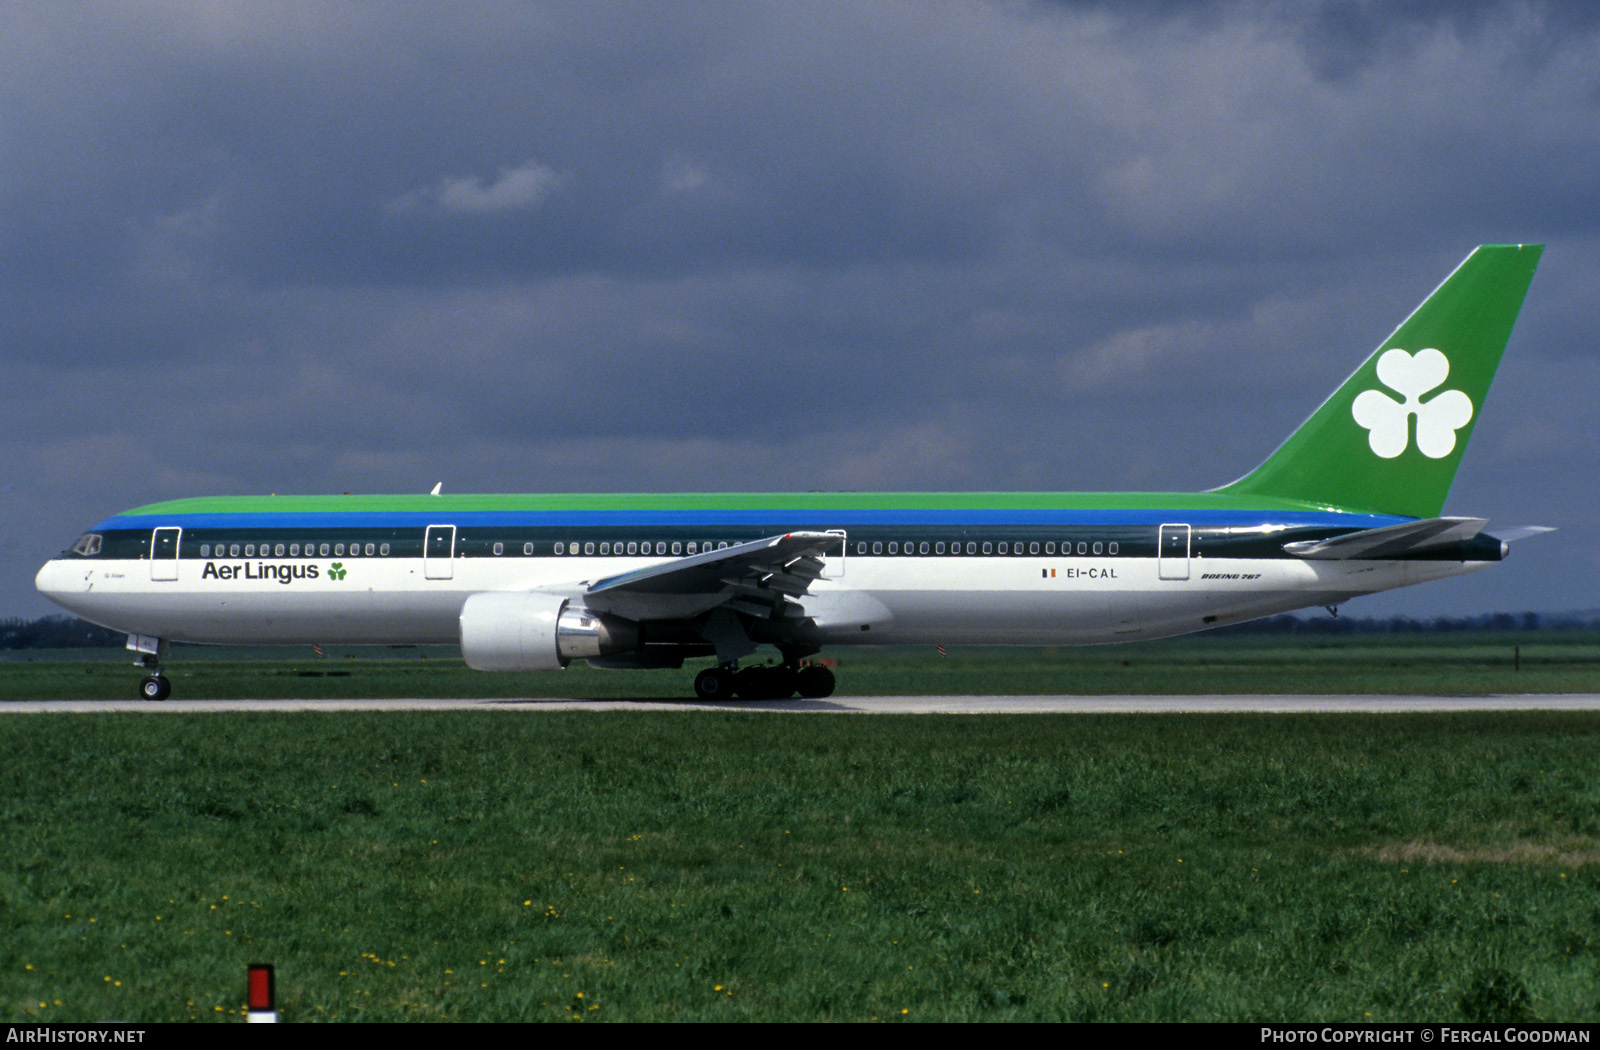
(1349, 505)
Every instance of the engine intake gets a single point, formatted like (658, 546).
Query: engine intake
(526, 631)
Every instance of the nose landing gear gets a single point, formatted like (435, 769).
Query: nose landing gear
(154, 686)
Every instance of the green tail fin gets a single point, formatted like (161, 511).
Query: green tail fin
(1389, 440)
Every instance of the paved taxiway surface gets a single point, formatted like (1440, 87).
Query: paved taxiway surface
(901, 705)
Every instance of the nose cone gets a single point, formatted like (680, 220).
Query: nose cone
(62, 581)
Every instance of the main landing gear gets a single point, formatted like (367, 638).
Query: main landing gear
(779, 682)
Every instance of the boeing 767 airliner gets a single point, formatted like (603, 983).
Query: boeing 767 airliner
(1348, 505)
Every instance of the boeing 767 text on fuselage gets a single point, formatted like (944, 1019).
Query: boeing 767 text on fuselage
(1348, 505)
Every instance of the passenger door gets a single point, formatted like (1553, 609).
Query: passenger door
(164, 553)
(438, 552)
(1172, 559)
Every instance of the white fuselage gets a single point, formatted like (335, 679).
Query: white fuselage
(956, 600)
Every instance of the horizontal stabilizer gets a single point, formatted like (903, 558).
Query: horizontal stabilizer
(1391, 541)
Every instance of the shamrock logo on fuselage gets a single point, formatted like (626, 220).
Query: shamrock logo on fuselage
(336, 571)
(1389, 421)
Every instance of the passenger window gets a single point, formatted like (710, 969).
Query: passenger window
(1002, 548)
(661, 546)
(894, 548)
(988, 548)
(384, 550)
(677, 548)
(1033, 548)
(527, 548)
(588, 548)
(1083, 548)
(561, 548)
(294, 550)
(605, 548)
(233, 551)
(1049, 548)
(692, 546)
(277, 551)
(1112, 549)
(368, 551)
(877, 546)
(249, 550)
(922, 548)
(205, 550)
(633, 548)
(1097, 548)
(938, 548)
(499, 548)
(338, 550)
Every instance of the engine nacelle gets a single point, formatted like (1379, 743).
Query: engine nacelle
(525, 631)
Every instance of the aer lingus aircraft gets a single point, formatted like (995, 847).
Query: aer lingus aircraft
(1348, 505)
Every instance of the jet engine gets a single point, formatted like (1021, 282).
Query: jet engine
(526, 631)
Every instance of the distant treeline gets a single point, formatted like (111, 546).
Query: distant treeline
(1315, 623)
(57, 632)
(69, 632)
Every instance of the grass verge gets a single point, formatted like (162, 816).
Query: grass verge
(709, 866)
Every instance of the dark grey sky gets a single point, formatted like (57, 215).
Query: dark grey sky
(323, 247)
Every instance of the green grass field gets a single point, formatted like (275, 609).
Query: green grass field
(1452, 663)
(739, 866)
(680, 865)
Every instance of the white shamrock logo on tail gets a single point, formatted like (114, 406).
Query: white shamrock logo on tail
(1388, 420)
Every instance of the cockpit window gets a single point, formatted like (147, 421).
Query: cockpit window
(88, 543)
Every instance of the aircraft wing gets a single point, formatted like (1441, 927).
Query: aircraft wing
(758, 579)
(1390, 541)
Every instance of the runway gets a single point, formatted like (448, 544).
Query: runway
(892, 705)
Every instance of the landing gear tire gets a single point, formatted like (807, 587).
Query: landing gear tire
(155, 687)
(765, 683)
(814, 682)
(714, 683)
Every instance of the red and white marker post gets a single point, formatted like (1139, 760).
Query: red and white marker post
(261, 998)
